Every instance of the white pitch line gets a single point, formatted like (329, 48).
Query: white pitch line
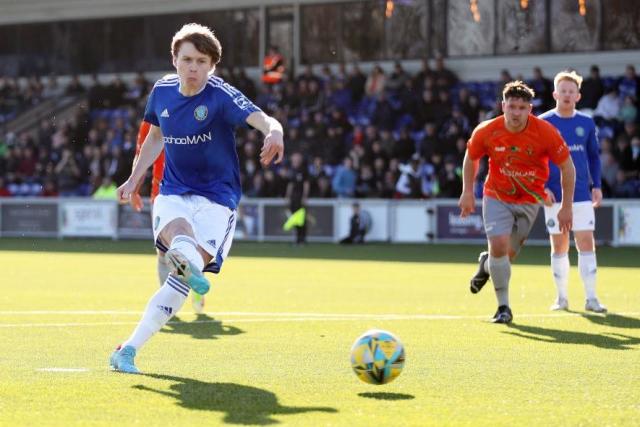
(334, 318)
(63, 370)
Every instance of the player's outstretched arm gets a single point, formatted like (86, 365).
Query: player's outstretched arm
(273, 146)
(467, 202)
(149, 152)
(568, 180)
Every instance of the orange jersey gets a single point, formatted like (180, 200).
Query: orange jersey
(158, 165)
(518, 162)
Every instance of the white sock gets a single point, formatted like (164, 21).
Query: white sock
(189, 248)
(163, 270)
(588, 266)
(162, 306)
(560, 270)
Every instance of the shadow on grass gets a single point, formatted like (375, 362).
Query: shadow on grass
(241, 404)
(438, 253)
(607, 341)
(613, 320)
(203, 328)
(387, 396)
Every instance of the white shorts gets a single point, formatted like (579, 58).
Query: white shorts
(213, 225)
(584, 217)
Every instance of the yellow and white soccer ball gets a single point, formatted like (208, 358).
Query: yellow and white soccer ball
(377, 357)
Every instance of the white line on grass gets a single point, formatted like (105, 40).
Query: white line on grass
(301, 317)
(63, 370)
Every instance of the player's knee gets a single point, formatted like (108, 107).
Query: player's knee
(177, 227)
(499, 246)
(584, 241)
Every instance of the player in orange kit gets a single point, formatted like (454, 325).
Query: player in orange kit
(519, 146)
(197, 300)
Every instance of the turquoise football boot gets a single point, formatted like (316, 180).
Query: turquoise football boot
(186, 272)
(122, 360)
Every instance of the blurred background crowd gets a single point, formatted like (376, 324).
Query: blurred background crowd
(381, 134)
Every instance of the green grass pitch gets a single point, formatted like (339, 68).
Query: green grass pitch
(273, 346)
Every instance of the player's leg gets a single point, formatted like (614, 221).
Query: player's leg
(168, 300)
(560, 267)
(500, 270)
(184, 256)
(499, 221)
(583, 226)
(559, 256)
(162, 267)
(588, 266)
(215, 227)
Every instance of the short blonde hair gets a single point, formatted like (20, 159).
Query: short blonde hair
(570, 76)
(202, 38)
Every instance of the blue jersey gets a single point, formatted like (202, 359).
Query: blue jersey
(198, 136)
(579, 132)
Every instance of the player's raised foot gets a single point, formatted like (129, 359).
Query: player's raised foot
(186, 272)
(560, 304)
(503, 315)
(197, 302)
(594, 305)
(481, 277)
(122, 360)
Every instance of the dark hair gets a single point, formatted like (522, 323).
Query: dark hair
(517, 89)
(202, 38)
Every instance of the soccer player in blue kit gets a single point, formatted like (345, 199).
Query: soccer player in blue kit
(192, 116)
(579, 131)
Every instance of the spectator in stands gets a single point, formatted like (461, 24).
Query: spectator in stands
(49, 189)
(106, 190)
(74, 87)
(4, 191)
(356, 83)
(115, 93)
(419, 78)
(591, 90)
(367, 185)
(608, 107)
(135, 94)
(444, 78)
(344, 179)
(97, 98)
(396, 80)
(628, 112)
(505, 77)
(273, 67)
(624, 188)
(52, 89)
(405, 146)
(243, 83)
(629, 84)
(375, 83)
(308, 76)
(68, 174)
(543, 88)
(409, 185)
(449, 180)
(383, 114)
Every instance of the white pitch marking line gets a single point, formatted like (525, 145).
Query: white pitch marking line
(315, 318)
(63, 370)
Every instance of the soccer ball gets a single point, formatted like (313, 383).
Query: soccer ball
(377, 357)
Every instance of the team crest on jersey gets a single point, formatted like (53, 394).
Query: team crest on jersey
(200, 113)
(580, 131)
(551, 223)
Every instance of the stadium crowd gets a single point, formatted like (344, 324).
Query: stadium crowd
(382, 134)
